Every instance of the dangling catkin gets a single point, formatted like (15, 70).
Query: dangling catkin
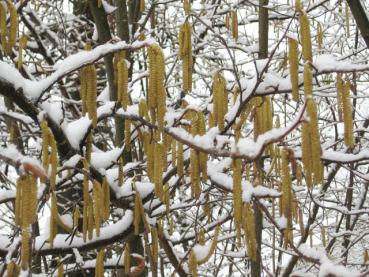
(305, 37)
(12, 269)
(155, 243)
(45, 145)
(234, 25)
(237, 196)
(85, 201)
(127, 259)
(187, 7)
(347, 116)
(340, 93)
(127, 134)
(22, 45)
(60, 267)
(219, 99)
(142, 6)
(12, 38)
(286, 196)
(25, 251)
(158, 170)
(192, 264)
(90, 218)
(53, 161)
(180, 159)
(106, 192)
(53, 219)
(185, 54)
(3, 24)
(293, 57)
(91, 94)
(137, 214)
(157, 94)
(249, 230)
(76, 217)
(120, 172)
(97, 191)
(99, 271)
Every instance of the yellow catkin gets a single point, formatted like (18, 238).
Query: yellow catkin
(26, 202)
(347, 116)
(99, 271)
(219, 99)
(157, 94)
(340, 92)
(122, 79)
(53, 161)
(155, 243)
(195, 174)
(12, 269)
(60, 267)
(234, 25)
(192, 264)
(3, 24)
(137, 213)
(97, 207)
(286, 196)
(76, 217)
(212, 247)
(305, 37)
(301, 222)
(158, 170)
(89, 144)
(142, 6)
(228, 21)
(53, 219)
(366, 256)
(202, 155)
(83, 89)
(33, 198)
(22, 45)
(185, 54)
(167, 197)
(237, 195)
(18, 202)
(25, 251)
(180, 159)
(171, 226)
(45, 145)
(91, 94)
(127, 134)
(249, 230)
(120, 172)
(347, 19)
(186, 7)
(298, 5)
(311, 146)
(90, 219)
(293, 57)
(12, 37)
(142, 110)
(106, 192)
(127, 259)
(85, 202)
